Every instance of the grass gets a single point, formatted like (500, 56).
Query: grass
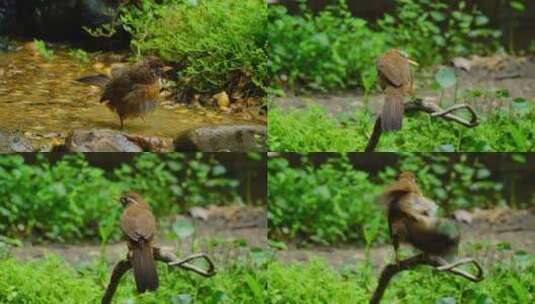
(313, 129)
(256, 277)
(316, 282)
(55, 281)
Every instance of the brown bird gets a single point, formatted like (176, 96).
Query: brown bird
(394, 76)
(139, 227)
(412, 219)
(133, 91)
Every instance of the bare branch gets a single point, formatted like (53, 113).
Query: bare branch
(167, 257)
(171, 260)
(120, 269)
(376, 135)
(421, 259)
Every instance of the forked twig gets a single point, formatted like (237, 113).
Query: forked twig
(185, 265)
(421, 259)
(166, 257)
(430, 108)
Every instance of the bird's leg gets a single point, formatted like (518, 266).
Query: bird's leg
(121, 120)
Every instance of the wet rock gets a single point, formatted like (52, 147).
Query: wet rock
(98, 141)
(223, 138)
(10, 143)
(152, 143)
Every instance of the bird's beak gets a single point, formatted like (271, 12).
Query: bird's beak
(167, 68)
(413, 62)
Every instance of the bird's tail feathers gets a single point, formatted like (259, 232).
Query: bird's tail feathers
(144, 267)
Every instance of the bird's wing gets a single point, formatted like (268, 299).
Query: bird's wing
(117, 88)
(138, 224)
(395, 71)
(142, 99)
(418, 207)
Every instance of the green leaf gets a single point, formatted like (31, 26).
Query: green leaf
(183, 228)
(182, 299)
(517, 6)
(449, 300)
(446, 78)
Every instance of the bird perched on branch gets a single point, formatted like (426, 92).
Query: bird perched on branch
(132, 91)
(139, 227)
(412, 219)
(394, 76)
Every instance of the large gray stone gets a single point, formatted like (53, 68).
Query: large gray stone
(11, 143)
(235, 138)
(99, 140)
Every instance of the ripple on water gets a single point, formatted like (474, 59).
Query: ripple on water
(43, 96)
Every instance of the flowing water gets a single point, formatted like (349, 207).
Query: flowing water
(41, 98)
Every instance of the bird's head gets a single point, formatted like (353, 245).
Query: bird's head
(407, 175)
(157, 66)
(404, 55)
(131, 198)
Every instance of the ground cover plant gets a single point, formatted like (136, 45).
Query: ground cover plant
(245, 282)
(216, 45)
(336, 202)
(506, 282)
(313, 129)
(71, 200)
(56, 281)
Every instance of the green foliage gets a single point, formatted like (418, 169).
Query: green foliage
(220, 43)
(79, 54)
(332, 50)
(312, 130)
(432, 31)
(507, 128)
(70, 200)
(62, 202)
(336, 202)
(455, 182)
(54, 281)
(325, 204)
(314, 282)
(327, 51)
(509, 281)
(42, 50)
(175, 182)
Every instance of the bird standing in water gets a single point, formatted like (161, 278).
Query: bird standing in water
(394, 76)
(131, 92)
(139, 227)
(412, 219)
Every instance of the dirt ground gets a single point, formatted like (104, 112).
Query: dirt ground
(223, 225)
(487, 74)
(516, 228)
